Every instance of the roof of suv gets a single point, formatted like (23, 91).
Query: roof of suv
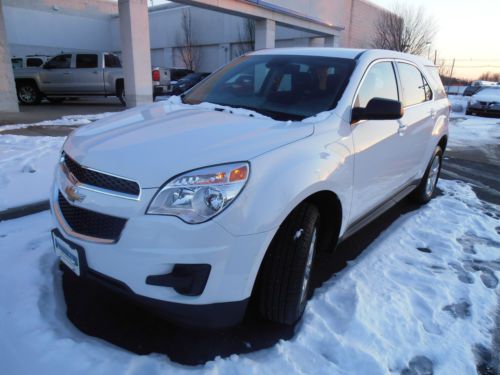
(347, 53)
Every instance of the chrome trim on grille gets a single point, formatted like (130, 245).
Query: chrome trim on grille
(71, 177)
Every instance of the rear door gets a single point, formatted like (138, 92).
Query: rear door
(55, 77)
(380, 156)
(88, 74)
(418, 122)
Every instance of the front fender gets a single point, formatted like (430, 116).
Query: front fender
(281, 179)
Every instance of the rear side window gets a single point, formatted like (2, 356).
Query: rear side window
(86, 61)
(416, 89)
(112, 61)
(379, 82)
(34, 61)
(435, 81)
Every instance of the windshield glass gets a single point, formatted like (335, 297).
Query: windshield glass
(284, 87)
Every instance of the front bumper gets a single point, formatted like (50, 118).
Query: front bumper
(152, 245)
(486, 110)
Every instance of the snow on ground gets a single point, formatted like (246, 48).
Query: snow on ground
(27, 165)
(422, 295)
(471, 131)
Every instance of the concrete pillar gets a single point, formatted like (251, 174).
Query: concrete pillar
(136, 54)
(265, 34)
(316, 42)
(8, 97)
(330, 41)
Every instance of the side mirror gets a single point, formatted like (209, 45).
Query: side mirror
(378, 109)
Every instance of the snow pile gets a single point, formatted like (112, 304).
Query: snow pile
(471, 131)
(421, 296)
(27, 165)
(71, 120)
(458, 105)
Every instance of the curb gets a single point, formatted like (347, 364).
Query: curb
(24, 210)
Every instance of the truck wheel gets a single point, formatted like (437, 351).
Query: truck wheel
(284, 280)
(427, 187)
(120, 93)
(28, 93)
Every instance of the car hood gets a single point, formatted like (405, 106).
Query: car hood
(153, 143)
(487, 97)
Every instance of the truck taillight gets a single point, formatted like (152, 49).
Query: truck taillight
(156, 75)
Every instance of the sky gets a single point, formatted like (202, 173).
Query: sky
(468, 30)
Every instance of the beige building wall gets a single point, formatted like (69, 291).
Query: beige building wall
(360, 20)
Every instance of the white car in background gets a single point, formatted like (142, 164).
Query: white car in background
(485, 102)
(194, 207)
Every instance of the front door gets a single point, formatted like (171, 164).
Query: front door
(380, 155)
(55, 76)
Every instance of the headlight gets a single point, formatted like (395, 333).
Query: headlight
(199, 195)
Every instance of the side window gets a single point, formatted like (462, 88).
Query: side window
(416, 89)
(34, 61)
(59, 62)
(17, 63)
(112, 61)
(379, 82)
(86, 61)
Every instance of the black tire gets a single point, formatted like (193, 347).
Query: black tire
(426, 190)
(284, 278)
(28, 93)
(56, 100)
(120, 92)
(468, 113)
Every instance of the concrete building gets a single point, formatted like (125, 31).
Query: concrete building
(219, 31)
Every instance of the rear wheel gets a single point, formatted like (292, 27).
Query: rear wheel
(28, 93)
(427, 187)
(284, 284)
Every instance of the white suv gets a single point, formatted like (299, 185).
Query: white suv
(195, 204)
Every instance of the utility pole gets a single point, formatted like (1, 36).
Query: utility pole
(452, 68)
(435, 57)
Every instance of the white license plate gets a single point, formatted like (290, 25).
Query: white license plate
(67, 254)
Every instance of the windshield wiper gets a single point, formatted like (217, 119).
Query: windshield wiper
(276, 115)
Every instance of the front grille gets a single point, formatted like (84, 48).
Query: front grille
(102, 180)
(90, 223)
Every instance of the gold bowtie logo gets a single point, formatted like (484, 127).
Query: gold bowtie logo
(73, 194)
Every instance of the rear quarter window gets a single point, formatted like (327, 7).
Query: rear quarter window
(435, 81)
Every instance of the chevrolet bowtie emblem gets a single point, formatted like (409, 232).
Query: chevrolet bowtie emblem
(73, 194)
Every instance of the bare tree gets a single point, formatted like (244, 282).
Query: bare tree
(246, 37)
(490, 76)
(189, 51)
(405, 29)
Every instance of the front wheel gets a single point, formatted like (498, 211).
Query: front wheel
(427, 187)
(28, 93)
(285, 275)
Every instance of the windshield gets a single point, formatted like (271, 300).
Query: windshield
(280, 86)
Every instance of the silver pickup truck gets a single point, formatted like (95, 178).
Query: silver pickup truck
(76, 74)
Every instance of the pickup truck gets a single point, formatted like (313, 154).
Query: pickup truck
(73, 75)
